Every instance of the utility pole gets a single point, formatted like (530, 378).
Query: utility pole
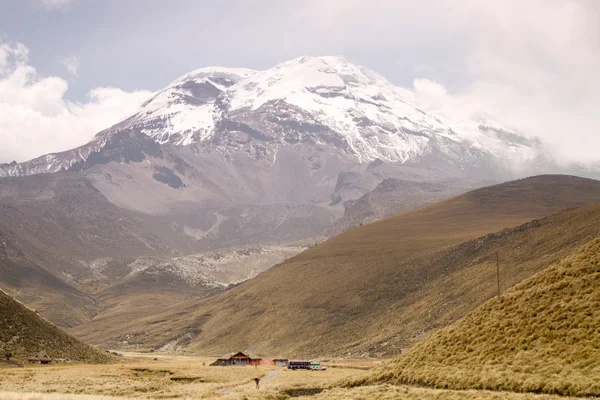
(498, 272)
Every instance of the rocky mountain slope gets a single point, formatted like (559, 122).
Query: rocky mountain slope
(554, 351)
(152, 285)
(219, 268)
(376, 289)
(23, 333)
(392, 196)
(62, 242)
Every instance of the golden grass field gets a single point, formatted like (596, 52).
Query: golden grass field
(541, 336)
(176, 377)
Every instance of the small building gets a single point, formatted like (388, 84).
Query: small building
(40, 358)
(242, 359)
(239, 359)
(221, 362)
(280, 362)
(262, 362)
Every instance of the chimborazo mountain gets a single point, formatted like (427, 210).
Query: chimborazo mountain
(227, 166)
(292, 144)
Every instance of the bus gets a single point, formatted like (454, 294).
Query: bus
(305, 364)
(298, 364)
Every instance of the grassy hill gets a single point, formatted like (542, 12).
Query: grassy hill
(541, 336)
(379, 288)
(24, 333)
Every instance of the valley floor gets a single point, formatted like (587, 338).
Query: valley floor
(177, 377)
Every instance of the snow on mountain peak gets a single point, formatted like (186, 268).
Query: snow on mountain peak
(298, 77)
(214, 74)
(375, 118)
(325, 101)
(184, 112)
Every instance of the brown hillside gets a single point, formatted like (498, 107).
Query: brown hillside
(24, 333)
(541, 336)
(378, 288)
(53, 227)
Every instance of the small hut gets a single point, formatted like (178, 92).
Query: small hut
(281, 362)
(242, 359)
(221, 362)
(262, 362)
(41, 358)
(239, 359)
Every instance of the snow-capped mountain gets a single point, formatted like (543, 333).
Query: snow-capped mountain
(357, 109)
(320, 101)
(185, 111)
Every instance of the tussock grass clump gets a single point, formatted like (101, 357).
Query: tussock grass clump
(391, 392)
(542, 336)
(24, 333)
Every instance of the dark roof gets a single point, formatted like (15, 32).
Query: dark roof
(41, 356)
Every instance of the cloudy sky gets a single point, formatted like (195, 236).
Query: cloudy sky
(69, 68)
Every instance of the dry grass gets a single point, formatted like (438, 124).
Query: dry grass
(176, 377)
(54, 396)
(379, 288)
(542, 336)
(389, 392)
(24, 333)
(188, 378)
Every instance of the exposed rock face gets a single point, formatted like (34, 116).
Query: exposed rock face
(392, 196)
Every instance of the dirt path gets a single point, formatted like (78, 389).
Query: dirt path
(270, 375)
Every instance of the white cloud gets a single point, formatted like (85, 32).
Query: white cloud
(536, 69)
(531, 64)
(71, 63)
(35, 117)
(12, 55)
(56, 3)
(429, 88)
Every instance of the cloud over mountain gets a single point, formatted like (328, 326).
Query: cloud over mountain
(35, 116)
